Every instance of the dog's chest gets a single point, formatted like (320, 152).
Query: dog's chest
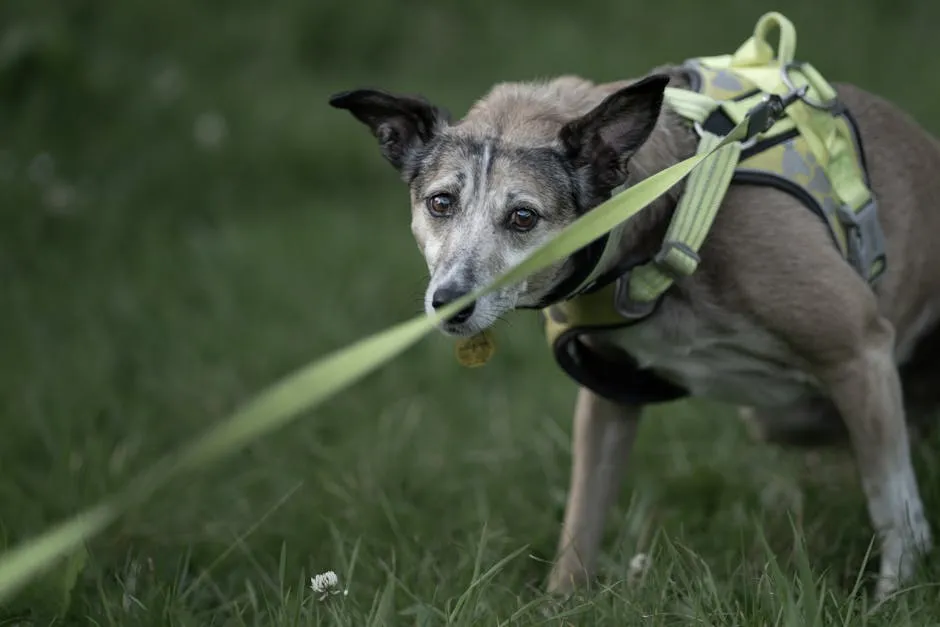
(735, 361)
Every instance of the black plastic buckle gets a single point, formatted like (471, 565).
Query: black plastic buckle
(771, 108)
(865, 240)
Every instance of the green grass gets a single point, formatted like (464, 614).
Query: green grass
(151, 285)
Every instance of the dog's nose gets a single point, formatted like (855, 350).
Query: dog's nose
(444, 296)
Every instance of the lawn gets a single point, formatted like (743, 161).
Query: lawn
(183, 221)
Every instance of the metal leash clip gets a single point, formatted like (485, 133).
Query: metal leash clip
(822, 105)
(765, 113)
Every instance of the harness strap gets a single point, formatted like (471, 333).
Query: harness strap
(691, 222)
(690, 105)
(696, 210)
(816, 116)
(828, 134)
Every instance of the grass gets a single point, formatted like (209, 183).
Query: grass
(184, 221)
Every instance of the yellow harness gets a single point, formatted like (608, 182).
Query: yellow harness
(812, 151)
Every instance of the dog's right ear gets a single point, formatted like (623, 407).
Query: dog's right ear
(400, 123)
(600, 143)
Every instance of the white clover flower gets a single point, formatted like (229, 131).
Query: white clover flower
(639, 564)
(325, 584)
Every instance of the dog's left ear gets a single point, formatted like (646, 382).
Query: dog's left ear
(600, 143)
(400, 123)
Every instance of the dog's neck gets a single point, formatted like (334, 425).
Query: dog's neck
(643, 234)
(671, 142)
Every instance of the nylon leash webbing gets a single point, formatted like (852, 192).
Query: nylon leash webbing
(692, 220)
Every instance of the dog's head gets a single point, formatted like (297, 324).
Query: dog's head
(525, 162)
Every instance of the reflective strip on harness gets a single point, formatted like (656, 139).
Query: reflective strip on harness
(704, 193)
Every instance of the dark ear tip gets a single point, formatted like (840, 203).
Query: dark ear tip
(348, 98)
(653, 82)
(341, 100)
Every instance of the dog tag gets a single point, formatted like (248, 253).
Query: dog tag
(476, 350)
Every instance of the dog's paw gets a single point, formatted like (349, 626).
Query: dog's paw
(884, 588)
(562, 583)
(569, 579)
(901, 556)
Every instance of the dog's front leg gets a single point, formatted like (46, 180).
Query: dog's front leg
(867, 390)
(603, 436)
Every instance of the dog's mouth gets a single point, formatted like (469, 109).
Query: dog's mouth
(459, 329)
(466, 323)
(474, 319)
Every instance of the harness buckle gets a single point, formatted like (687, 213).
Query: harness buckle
(676, 260)
(745, 143)
(770, 109)
(865, 241)
(763, 115)
(627, 307)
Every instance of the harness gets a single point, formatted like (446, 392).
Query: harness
(811, 149)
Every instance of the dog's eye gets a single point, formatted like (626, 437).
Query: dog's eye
(523, 219)
(440, 205)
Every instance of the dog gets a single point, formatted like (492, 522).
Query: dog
(774, 320)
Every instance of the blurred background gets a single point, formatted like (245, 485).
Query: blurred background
(184, 220)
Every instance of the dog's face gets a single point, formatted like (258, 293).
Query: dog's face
(486, 193)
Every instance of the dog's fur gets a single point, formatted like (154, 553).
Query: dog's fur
(774, 319)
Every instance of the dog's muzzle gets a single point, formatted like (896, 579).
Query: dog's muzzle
(447, 294)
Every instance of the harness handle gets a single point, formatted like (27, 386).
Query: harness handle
(757, 52)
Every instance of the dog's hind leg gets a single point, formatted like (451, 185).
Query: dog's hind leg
(818, 423)
(604, 433)
(866, 388)
(823, 309)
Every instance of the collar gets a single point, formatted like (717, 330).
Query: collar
(584, 261)
(587, 276)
